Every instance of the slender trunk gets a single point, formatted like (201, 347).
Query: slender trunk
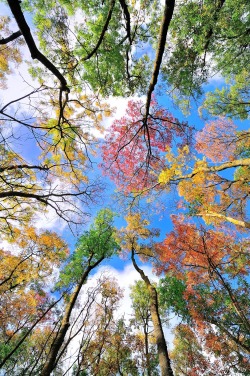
(238, 309)
(164, 360)
(58, 341)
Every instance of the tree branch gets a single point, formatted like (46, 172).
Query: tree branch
(105, 28)
(35, 53)
(235, 221)
(24, 166)
(12, 37)
(211, 31)
(210, 169)
(127, 17)
(167, 16)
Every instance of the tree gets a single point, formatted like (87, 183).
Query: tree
(232, 100)
(132, 155)
(209, 192)
(8, 55)
(190, 357)
(213, 269)
(73, 56)
(80, 54)
(36, 184)
(26, 306)
(201, 33)
(93, 247)
(135, 232)
(106, 344)
(97, 49)
(142, 319)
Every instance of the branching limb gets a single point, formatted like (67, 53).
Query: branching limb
(211, 169)
(105, 28)
(35, 53)
(127, 17)
(226, 218)
(41, 88)
(167, 17)
(211, 31)
(24, 166)
(10, 38)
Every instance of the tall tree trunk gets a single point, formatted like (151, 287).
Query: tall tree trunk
(164, 361)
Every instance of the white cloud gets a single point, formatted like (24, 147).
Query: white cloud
(125, 278)
(49, 220)
(216, 79)
(118, 107)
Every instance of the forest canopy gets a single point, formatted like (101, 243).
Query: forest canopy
(163, 186)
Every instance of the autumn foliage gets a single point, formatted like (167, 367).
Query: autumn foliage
(213, 267)
(217, 140)
(73, 57)
(133, 152)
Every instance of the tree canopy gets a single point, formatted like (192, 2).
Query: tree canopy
(174, 165)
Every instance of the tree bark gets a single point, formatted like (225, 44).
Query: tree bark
(147, 347)
(167, 17)
(164, 361)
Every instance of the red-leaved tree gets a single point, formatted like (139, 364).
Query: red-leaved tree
(214, 268)
(133, 152)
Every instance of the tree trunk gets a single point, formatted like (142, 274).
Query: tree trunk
(164, 360)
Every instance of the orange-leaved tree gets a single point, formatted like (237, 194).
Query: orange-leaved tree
(213, 267)
(26, 304)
